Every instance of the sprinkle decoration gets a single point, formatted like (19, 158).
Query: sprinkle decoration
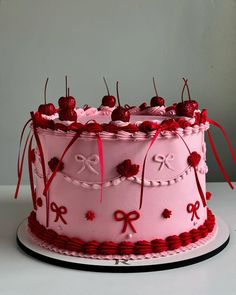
(59, 212)
(127, 218)
(192, 208)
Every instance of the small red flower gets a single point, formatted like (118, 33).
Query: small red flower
(169, 124)
(148, 126)
(166, 213)
(53, 163)
(127, 169)
(208, 196)
(90, 215)
(194, 159)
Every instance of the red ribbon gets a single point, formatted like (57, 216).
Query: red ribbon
(40, 148)
(100, 154)
(33, 193)
(195, 174)
(192, 208)
(226, 138)
(59, 212)
(20, 163)
(127, 218)
(226, 177)
(46, 188)
(144, 164)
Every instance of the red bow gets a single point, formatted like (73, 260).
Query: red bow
(59, 212)
(192, 208)
(128, 218)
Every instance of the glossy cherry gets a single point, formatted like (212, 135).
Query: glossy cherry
(120, 113)
(143, 106)
(156, 101)
(46, 108)
(67, 102)
(108, 100)
(187, 107)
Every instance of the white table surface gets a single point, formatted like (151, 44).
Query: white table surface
(23, 274)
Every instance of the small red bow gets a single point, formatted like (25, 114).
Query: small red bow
(128, 218)
(192, 208)
(59, 212)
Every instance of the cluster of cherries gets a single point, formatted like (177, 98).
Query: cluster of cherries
(67, 104)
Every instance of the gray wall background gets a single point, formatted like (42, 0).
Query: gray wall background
(126, 40)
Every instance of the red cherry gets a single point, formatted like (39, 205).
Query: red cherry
(120, 114)
(156, 101)
(109, 101)
(185, 108)
(47, 109)
(67, 115)
(67, 102)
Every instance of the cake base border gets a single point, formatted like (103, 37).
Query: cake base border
(29, 246)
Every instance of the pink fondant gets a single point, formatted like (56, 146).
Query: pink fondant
(174, 191)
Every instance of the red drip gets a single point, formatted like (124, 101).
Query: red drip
(144, 164)
(124, 248)
(100, 154)
(222, 169)
(31, 177)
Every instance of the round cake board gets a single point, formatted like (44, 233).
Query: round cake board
(28, 245)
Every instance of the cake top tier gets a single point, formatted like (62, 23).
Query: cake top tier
(112, 117)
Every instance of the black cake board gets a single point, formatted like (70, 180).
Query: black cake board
(203, 252)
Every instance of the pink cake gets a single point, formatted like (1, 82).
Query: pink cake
(119, 182)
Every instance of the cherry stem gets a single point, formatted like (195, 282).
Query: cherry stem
(154, 84)
(45, 91)
(106, 86)
(66, 85)
(117, 92)
(68, 91)
(182, 94)
(186, 85)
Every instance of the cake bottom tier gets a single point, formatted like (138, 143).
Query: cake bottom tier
(53, 241)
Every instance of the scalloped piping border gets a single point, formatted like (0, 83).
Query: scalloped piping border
(119, 179)
(123, 135)
(182, 249)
